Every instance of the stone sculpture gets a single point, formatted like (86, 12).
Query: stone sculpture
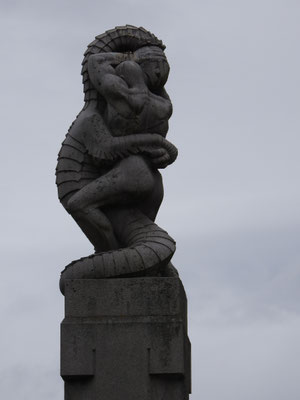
(124, 337)
(107, 171)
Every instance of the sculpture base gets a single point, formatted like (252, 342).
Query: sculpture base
(125, 339)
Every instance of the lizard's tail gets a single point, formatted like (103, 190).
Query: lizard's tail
(148, 250)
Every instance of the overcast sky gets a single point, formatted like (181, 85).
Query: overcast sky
(232, 197)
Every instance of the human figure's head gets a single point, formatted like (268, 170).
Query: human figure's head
(154, 64)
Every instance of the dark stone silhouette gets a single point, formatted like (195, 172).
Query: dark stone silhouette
(107, 171)
(108, 181)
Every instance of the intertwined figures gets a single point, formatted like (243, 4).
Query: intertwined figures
(107, 171)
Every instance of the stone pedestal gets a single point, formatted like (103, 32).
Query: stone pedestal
(125, 339)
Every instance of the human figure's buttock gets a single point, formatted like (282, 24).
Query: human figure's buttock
(148, 114)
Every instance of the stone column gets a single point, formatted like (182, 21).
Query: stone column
(125, 339)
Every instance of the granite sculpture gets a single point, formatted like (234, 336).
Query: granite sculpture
(107, 171)
(109, 181)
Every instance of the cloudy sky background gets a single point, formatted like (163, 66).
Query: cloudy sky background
(232, 197)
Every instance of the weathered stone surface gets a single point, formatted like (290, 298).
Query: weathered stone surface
(124, 335)
(125, 339)
(107, 173)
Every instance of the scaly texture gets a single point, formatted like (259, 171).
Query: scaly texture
(110, 183)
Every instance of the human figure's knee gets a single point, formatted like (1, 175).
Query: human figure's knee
(74, 206)
(89, 214)
(151, 204)
(78, 208)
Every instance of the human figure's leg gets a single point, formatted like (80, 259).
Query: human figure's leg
(150, 205)
(129, 181)
(97, 228)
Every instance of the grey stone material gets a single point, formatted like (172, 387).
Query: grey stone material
(125, 339)
(107, 171)
(124, 335)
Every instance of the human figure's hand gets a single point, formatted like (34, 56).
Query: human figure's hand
(160, 152)
(159, 157)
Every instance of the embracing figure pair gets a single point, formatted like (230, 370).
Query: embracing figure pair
(107, 171)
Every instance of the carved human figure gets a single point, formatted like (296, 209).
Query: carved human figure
(131, 109)
(107, 171)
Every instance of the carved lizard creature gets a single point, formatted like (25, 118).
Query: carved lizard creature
(107, 172)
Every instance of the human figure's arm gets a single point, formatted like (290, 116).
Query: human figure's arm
(104, 63)
(102, 146)
(119, 80)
